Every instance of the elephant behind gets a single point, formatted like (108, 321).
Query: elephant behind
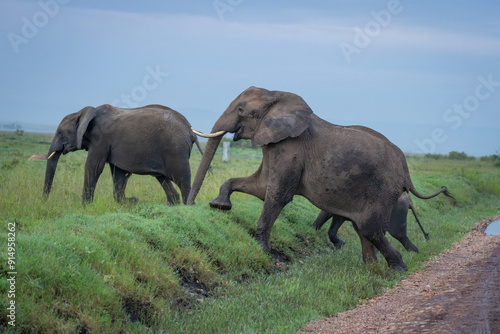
(397, 226)
(152, 140)
(343, 171)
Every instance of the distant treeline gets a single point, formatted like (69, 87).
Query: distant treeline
(454, 155)
(11, 126)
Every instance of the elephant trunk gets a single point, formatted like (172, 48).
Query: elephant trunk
(208, 155)
(52, 160)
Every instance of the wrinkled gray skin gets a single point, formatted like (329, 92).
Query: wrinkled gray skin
(151, 140)
(343, 171)
(397, 226)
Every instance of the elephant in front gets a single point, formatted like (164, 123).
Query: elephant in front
(343, 171)
(152, 140)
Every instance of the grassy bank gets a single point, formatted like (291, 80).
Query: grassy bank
(189, 269)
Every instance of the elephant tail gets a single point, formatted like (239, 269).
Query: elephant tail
(426, 235)
(198, 145)
(201, 151)
(443, 190)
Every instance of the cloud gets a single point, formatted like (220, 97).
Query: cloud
(322, 31)
(438, 40)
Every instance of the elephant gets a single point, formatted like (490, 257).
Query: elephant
(343, 171)
(152, 140)
(397, 226)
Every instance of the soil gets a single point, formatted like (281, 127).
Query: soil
(455, 292)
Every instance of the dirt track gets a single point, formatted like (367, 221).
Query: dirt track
(458, 292)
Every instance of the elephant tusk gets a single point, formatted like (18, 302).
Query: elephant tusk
(211, 135)
(50, 156)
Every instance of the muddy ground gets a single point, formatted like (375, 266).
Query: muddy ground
(456, 292)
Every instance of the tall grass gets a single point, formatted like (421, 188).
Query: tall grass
(109, 268)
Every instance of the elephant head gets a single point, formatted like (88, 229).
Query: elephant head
(258, 114)
(68, 138)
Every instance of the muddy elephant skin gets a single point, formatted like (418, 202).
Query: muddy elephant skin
(343, 171)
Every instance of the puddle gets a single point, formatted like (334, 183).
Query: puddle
(493, 228)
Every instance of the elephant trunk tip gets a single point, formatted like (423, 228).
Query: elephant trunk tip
(190, 199)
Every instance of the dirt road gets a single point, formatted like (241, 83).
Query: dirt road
(458, 292)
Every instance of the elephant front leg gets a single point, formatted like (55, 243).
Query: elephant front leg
(337, 221)
(270, 213)
(334, 227)
(279, 192)
(252, 185)
(93, 169)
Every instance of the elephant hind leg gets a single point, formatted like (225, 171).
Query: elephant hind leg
(406, 242)
(337, 221)
(120, 179)
(321, 219)
(367, 248)
(398, 223)
(173, 197)
(392, 256)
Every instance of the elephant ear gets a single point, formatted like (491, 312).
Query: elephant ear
(84, 117)
(288, 117)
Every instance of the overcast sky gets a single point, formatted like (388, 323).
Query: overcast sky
(424, 73)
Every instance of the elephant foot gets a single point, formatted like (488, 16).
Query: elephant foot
(338, 243)
(317, 225)
(127, 200)
(412, 248)
(265, 246)
(400, 267)
(130, 201)
(220, 204)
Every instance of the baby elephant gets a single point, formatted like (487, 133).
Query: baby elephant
(151, 140)
(397, 225)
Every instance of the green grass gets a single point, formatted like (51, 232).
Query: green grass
(109, 268)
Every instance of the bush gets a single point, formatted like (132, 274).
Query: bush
(435, 156)
(495, 159)
(454, 155)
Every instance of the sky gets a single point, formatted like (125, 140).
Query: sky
(426, 74)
